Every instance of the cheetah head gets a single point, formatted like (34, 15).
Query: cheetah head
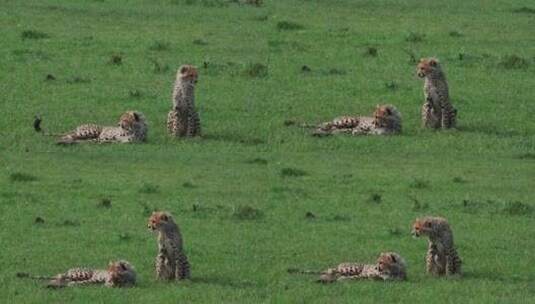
(392, 264)
(427, 66)
(121, 274)
(187, 73)
(387, 116)
(422, 226)
(131, 120)
(159, 219)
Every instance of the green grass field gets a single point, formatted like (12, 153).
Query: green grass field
(241, 194)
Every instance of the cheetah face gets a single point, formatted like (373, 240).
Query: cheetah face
(188, 73)
(386, 261)
(157, 220)
(381, 115)
(119, 267)
(129, 119)
(421, 227)
(426, 67)
(121, 274)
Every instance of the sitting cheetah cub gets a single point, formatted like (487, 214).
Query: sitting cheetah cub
(442, 257)
(118, 274)
(171, 261)
(437, 111)
(183, 119)
(389, 266)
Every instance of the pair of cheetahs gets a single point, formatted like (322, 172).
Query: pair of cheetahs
(437, 110)
(441, 258)
(182, 121)
(171, 262)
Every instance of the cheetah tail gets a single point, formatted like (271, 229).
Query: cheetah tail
(37, 127)
(301, 271)
(25, 275)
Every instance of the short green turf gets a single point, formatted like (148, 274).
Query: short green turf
(257, 194)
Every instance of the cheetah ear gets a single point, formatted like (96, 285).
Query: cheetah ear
(393, 257)
(388, 111)
(183, 69)
(433, 62)
(123, 266)
(164, 217)
(427, 224)
(136, 116)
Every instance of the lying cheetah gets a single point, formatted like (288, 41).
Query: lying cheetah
(132, 127)
(171, 261)
(118, 274)
(386, 120)
(389, 266)
(442, 257)
(437, 111)
(183, 119)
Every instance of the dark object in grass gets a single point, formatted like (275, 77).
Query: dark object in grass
(71, 223)
(417, 206)
(105, 203)
(200, 42)
(258, 161)
(376, 198)
(116, 59)
(335, 71)
(21, 177)
(517, 208)
(391, 85)
(159, 46)
(159, 67)
(526, 156)
(340, 218)
(310, 216)
(39, 220)
(371, 51)
(395, 231)
(256, 70)
(124, 236)
(188, 185)
(419, 184)
(50, 77)
(32, 34)
(513, 62)
(292, 172)
(455, 34)
(459, 180)
(414, 37)
(246, 213)
(256, 3)
(412, 57)
(288, 26)
(149, 188)
(289, 122)
(524, 10)
(78, 79)
(306, 69)
(135, 93)
(37, 123)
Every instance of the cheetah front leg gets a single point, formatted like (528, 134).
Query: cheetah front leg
(163, 269)
(430, 119)
(435, 263)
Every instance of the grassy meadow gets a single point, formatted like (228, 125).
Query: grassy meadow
(257, 194)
